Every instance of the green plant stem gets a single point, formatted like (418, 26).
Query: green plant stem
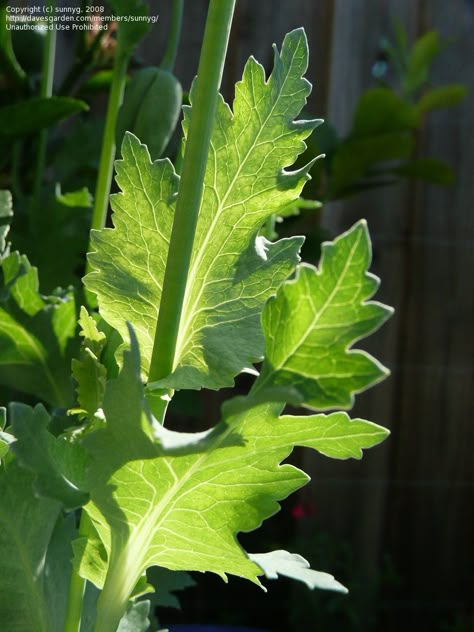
(171, 51)
(77, 587)
(210, 70)
(104, 180)
(8, 61)
(46, 91)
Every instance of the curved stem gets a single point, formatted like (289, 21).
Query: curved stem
(12, 68)
(173, 38)
(104, 180)
(210, 70)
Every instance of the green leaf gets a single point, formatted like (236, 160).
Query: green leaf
(60, 466)
(99, 82)
(128, 432)
(315, 319)
(356, 156)
(36, 334)
(166, 583)
(184, 511)
(233, 271)
(428, 169)
(88, 371)
(296, 567)
(442, 97)
(130, 31)
(5, 437)
(381, 111)
(150, 109)
(6, 213)
(35, 544)
(75, 199)
(51, 223)
(136, 618)
(27, 117)
(420, 60)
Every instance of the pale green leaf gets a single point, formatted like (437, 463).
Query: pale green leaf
(136, 618)
(75, 199)
(35, 556)
(312, 323)
(90, 376)
(89, 331)
(184, 511)
(88, 371)
(36, 334)
(233, 271)
(128, 433)
(282, 563)
(60, 466)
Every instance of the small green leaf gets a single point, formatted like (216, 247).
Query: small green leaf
(27, 117)
(150, 109)
(312, 323)
(130, 31)
(136, 618)
(99, 82)
(90, 376)
(5, 437)
(75, 199)
(88, 371)
(6, 213)
(296, 567)
(93, 338)
(442, 97)
(381, 111)
(59, 465)
(420, 60)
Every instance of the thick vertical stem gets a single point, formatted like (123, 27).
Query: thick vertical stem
(210, 70)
